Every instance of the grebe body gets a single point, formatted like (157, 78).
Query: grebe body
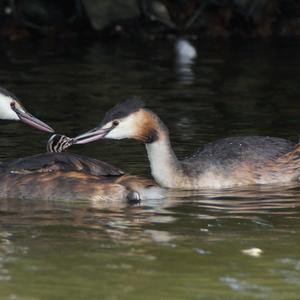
(67, 176)
(227, 162)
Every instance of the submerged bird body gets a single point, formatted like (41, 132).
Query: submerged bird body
(71, 186)
(52, 176)
(228, 162)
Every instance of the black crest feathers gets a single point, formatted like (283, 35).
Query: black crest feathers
(123, 109)
(5, 92)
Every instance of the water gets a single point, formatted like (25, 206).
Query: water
(190, 244)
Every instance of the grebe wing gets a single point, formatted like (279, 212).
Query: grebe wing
(253, 149)
(49, 162)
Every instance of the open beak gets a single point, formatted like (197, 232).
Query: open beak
(29, 119)
(91, 136)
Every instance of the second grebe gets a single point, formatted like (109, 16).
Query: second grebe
(227, 162)
(53, 176)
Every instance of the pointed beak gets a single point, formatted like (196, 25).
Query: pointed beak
(91, 136)
(29, 119)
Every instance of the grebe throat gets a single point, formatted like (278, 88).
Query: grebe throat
(165, 167)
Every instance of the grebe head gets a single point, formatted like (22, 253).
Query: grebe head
(126, 120)
(12, 110)
(59, 143)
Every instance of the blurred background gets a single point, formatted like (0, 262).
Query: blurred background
(148, 19)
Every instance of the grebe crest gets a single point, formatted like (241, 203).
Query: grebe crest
(123, 109)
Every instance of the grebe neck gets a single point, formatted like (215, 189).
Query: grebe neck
(165, 167)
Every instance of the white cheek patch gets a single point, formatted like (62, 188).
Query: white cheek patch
(6, 113)
(124, 130)
(115, 134)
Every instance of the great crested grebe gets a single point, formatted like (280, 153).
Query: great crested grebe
(227, 162)
(67, 176)
(53, 176)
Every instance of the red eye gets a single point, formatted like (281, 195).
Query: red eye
(13, 104)
(115, 123)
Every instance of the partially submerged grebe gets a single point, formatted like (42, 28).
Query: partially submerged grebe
(227, 162)
(67, 176)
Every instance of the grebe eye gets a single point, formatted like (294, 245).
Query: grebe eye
(115, 123)
(13, 104)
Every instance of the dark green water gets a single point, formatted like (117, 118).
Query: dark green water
(189, 245)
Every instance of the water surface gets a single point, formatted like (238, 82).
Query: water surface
(188, 245)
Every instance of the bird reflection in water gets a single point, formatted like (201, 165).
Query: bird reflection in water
(244, 202)
(185, 58)
(211, 204)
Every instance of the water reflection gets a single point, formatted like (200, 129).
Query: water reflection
(6, 252)
(246, 203)
(186, 54)
(193, 230)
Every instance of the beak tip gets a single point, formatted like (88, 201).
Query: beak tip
(34, 122)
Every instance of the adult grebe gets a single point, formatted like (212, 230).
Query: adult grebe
(12, 110)
(227, 162)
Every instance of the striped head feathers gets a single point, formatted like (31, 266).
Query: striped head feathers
(59, 143)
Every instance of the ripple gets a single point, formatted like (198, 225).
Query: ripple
(244, 286)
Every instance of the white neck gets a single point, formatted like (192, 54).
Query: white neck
(165, 167)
